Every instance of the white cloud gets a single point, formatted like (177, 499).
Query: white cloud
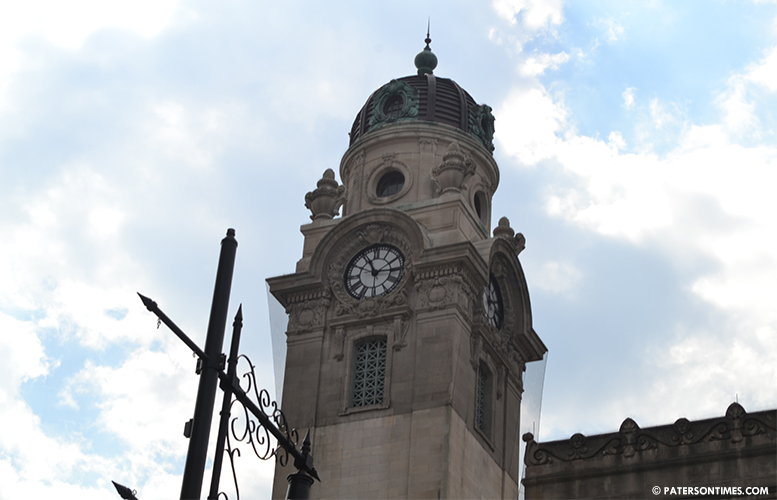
(536, 14)
(764, 72)
(528, 123)
(613, 30)
(628, 97)
(708, 198)
(738, 110)
(67, 25)
(615, 140)
(661, 115)
(732, 367)
(536, 65)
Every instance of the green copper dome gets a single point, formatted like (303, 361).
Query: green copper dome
(425, 97)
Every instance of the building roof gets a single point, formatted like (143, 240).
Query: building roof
(425, 97)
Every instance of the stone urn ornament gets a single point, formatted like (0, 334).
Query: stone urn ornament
(456, 166)
(325, 201)
(503, 230)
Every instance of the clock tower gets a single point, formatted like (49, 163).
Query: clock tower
(409, 319)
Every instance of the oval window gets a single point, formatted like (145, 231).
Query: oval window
(390, 184)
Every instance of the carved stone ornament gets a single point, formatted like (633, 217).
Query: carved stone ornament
(631, 440)
(326, 199)
(348, 247)
(444, 286)
(394, 101)
(307, 312)
(503, 230)
(456, 166)
(481, 124)
(475, 348)
(401, 325)
(429, 145)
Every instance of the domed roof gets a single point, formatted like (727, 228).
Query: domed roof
(427, 98)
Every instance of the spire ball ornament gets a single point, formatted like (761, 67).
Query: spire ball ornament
(426, 61)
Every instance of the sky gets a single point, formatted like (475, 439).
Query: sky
(636, 144)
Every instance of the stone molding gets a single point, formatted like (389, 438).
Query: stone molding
(630, 440)
(516, 337)
(417, 133)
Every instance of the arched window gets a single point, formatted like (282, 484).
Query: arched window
(369, 372)
(483, 403)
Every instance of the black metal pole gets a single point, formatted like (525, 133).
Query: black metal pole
(299, 486)
(300, 483)
(234, 349)
(206, 393)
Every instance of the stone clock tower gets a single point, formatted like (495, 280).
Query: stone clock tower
(409, 323)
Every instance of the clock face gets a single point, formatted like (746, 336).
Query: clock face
(374, 271)
(492, 304)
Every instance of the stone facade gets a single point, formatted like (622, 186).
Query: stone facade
(420, 438)
(738, 450)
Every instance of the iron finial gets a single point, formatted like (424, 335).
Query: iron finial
(428, 40)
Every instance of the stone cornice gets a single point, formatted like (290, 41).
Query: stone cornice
(630, 441)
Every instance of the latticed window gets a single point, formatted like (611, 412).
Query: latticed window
(483, 403)
(393, 107)
(369, 372)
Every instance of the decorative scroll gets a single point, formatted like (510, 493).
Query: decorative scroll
(247, 429)
(394, 101)
(481, 124)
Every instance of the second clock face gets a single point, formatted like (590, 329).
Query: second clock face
(492, 304)
(374, 271)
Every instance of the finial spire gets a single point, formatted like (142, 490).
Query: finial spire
(426, 61)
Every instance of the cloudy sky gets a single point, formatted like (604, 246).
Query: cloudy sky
(636, 142)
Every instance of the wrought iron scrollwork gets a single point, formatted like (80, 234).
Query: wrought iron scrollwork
(247, 428)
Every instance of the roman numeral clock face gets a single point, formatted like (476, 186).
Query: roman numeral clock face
(492, 304)
(374, 271)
